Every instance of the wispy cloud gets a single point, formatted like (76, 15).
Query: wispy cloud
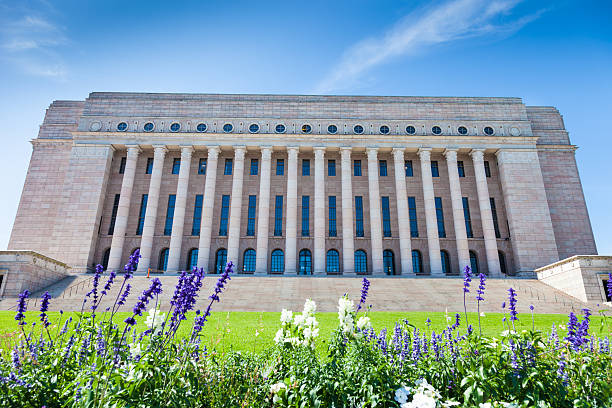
(443, 23)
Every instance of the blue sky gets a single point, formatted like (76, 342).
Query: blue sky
(547, 52)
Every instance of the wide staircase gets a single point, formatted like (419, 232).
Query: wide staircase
(272, 294)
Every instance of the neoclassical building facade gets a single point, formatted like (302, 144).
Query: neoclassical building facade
(303, 185)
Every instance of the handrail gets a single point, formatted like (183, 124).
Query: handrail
(75, 287)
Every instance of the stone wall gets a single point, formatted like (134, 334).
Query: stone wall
(28, 270)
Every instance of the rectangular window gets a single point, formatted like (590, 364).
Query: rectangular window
(142, 213)
(440, 217)
(382, 168)
(386, 216)
(359, 216)
(467, 217)
(251, 216)
(278, 216)
(305, 216)
(414, 225)
(494, 215)
(331, 168)
(280, 167)
(225, 204)
(305, 167)
(170, 214)
(332, 216)
(149, 169)
(176, 166)
(202, 166)
(357, 168)
(254, 167)
(487, 168)
(434, 169)
(227, 171)
(111, 227)
(460, 168)
(122, 165)
(408, 167)
(197, 215)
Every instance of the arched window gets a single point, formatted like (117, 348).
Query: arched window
(278, 261)
(446, 267)
(417, 261)
(163, 259)
(220, 260)
(333, 261)
(105, 257)
(192, 259)
(502, 262)
(388, 262)
(305, 262)
(474, 263)
(248, 261)
(361, 262)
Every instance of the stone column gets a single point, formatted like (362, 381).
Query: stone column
(403, 217)
(291, 232)
(178, 224)
(463, 250)
(263, 216)
(148, 229)
(375, 216)
(114, 260)
(348, 243)
(319, 211)
(488, 230)
(233, 238)
(433, 241)
(208, 203)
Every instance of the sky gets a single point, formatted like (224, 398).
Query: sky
(552, 53)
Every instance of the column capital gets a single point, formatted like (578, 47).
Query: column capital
(293, 151)
(477, 154)
(239, 152)
(372, 153)
(266, 152)
(451, 154)
(424, 153)
(345, 153)
(398, 153)
(133, 149)
(213, 151)
(186, 151)
(319, 152)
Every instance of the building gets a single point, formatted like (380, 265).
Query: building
(290, 184)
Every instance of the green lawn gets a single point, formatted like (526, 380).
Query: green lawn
(237, 330)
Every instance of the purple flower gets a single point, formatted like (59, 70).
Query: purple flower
(221, 282)
(609, 285)
(365, 286)
(467, 278)
(96, 282)
(44, 306)
(572, 332)
(124, 295)
(561, 372)
(512, 301)
(109, 282)
(583, 330)
(132, 263)
(428, 322)
(148, 294)
(22, 307)
(481, 287)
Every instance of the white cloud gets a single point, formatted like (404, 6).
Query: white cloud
(444, 23)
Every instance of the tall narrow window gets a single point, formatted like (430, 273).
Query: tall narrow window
(176, 166)
(417, 262)
(305, 216)
(435, 172)
(356, 168)
(162, 265)
(305, 266)
(388, 262)
(361, 262)
(251, 216)
(461, 168)
(408, 167)
(278, 216)
(446, 268)
(170, 214)
(220, 260)
(122, 165)
(142, 213)
(149, 169)
(332, 216)
(474, 263)
(468, 219)
(192, 259)
(197, 215)
(248, 261)
(359, 216)
(227, 171)
(331, 168)
(386, 216)
(414, 225)
(494, 215)
(277, 264)
(105, 258)
(305, 167)
(225, 205)
(202, 166)
(254, 167)
(487, 168)
(333, 261)
(440, 217)
(111, 227)
(280, 167)
(382, 168)
(502, 262)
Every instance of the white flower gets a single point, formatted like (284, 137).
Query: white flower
(275, 388)
(448, 404)
(135, 350)
(286, 316)
(311, 321)
(482, 314)
(401, 394)
(485, 405)
(309, 307)
(420, 401)
(155, 319)
(345, 314)
(298, 320)
(364, 322)
(279, 337)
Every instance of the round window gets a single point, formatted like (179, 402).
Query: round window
(122, 126)
(410, 130)
(201, 127)
(436, 130)
(332, 129)
(254, 128)
(384, 129)
(358, 129)
(228, 127)
(148, 127)
(306, 128)
(489, 130)
(462, 130)
(175, 127)
(280, 128)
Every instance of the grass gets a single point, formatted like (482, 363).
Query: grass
(254, 331)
